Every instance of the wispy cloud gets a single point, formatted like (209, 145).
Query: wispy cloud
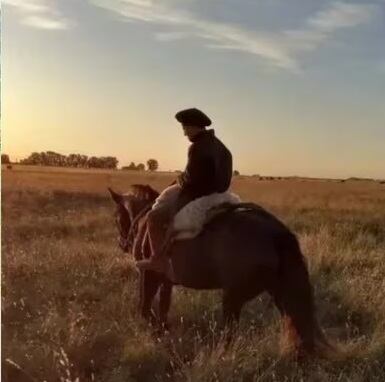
(280, 48)
(319, 28)
(41, 14)
(341, 15)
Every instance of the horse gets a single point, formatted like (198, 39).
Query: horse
(245, 250)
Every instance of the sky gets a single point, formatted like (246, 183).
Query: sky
(293, 87)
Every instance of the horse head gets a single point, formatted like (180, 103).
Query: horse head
(128, 207)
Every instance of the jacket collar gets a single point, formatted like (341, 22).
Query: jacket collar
(205, 133)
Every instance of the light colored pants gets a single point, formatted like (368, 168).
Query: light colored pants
(168, 196)
(169, 202)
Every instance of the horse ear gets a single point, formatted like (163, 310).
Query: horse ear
(117, 198)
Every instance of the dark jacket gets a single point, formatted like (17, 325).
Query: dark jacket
(209, 168)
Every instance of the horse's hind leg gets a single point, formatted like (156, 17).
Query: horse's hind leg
(234, 298)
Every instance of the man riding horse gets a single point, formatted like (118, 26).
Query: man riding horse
(243, 250)
(209, 170)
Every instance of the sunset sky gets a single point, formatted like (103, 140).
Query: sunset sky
(294, 87)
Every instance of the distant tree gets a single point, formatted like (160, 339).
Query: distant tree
(140, 167)
(51, 158)
(5, 159)
(45, 159)
(236, 173)
(82, 160)
(152, 164)
(93, 162)
(33, 159)
(109, 162)
(131, 166)
(72, 160)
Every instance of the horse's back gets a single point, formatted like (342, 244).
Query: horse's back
(232, 248)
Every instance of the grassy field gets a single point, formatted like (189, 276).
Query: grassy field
(69, 296)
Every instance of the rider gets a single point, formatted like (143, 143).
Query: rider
(208, 171)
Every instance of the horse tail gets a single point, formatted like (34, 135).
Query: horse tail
(294, 299)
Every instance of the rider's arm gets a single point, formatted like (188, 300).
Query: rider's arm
(198, 173)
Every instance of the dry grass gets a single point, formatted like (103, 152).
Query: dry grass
(69, 295)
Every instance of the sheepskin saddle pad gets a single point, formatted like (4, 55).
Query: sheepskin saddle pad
(190, 220)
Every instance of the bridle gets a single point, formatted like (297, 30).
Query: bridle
(135, 223)
(122, 234)
(126, 240)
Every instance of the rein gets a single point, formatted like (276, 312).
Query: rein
(135, 222)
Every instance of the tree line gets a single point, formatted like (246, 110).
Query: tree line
(51, 158)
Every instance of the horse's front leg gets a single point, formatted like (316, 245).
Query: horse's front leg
(164, 302)
(149, 285)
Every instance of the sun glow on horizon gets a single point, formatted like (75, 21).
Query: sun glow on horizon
(100, 86)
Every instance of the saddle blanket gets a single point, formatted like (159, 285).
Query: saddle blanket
(189, 221)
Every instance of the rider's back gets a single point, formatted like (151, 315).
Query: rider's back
(209, 168)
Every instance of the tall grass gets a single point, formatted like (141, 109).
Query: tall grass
(69, 296)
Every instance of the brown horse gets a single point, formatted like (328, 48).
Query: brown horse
(243, 251)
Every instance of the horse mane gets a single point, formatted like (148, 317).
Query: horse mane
(144, 191)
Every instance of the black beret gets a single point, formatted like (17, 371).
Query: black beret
(193, 117)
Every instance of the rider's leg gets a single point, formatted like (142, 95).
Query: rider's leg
(157, 223)
(158, 231)
(139, 241)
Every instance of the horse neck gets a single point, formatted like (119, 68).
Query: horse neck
(139, 207)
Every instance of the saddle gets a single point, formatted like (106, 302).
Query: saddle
(142, 245)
